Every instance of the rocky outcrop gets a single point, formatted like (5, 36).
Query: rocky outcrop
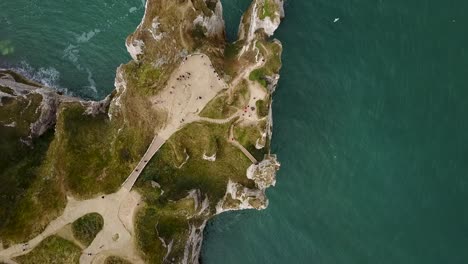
(20, 87)
(239, 197)
(213, 24)
(255, 21)
(46, 109)
(264, 173)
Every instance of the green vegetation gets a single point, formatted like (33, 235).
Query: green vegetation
(6, 90)
(199, 34)
(247, 136)
(224, 105)
(218, 108)
(262, 108)
(23, 111)
(168, 220)
(268, 9)
(259, 76)
(52, 250)
(199, 31)
(86, 138)
(211, 4)
(144, 77)
(28, 200)
(87, 227)
(169, 212)
(210, 177)
(148, 236)
(155, 222)
(272, 52)
(33, 179)
(36, 174)
(116, 260)
(231, 203)
(235, 64)
(109, 155)
(232, 50)
(201, 5)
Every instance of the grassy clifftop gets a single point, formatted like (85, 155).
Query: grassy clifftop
(96, 154)
(167, 207)
(87, 149)
(52, 250)
(26, 191)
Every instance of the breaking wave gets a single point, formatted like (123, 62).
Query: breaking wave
(47, 76)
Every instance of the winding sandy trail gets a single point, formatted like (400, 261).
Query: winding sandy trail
(245, 73)
(108, 206)
(155, 145)
(190, 88)
(183, 98)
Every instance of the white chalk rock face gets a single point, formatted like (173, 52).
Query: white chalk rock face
(238, 197)
(264, 173)
(135, 48)
(209, 158)
(213, 24)
(154, 30)
(257, 22)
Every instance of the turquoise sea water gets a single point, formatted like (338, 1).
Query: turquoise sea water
(371, 124)
(72, 45)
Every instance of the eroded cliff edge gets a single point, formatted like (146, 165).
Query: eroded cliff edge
(184, 136)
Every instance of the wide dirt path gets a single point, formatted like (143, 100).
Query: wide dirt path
(190, 88)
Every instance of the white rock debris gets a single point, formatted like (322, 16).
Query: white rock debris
(264, 173)
(242, 197)
(97, 107)
(204, 208)
(209, 158)
(268, 24)
(194, 243)
(213, 24)
(260, 143)
(48, 110)
(155, 185)
(187, 157)
(169, 249)
(120, 88)
(12, 124)
(135, 48)
(157, 36)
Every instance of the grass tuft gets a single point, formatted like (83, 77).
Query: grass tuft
(262, 108)
(116, 260)
(268, 9)
(52, 250)
(87, 227)
(225, 105)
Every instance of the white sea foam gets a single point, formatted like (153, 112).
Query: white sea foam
(72, 53)
(92, 83)
(87, 36)
(48, 76)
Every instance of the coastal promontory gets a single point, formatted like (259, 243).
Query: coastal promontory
(135, 177)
